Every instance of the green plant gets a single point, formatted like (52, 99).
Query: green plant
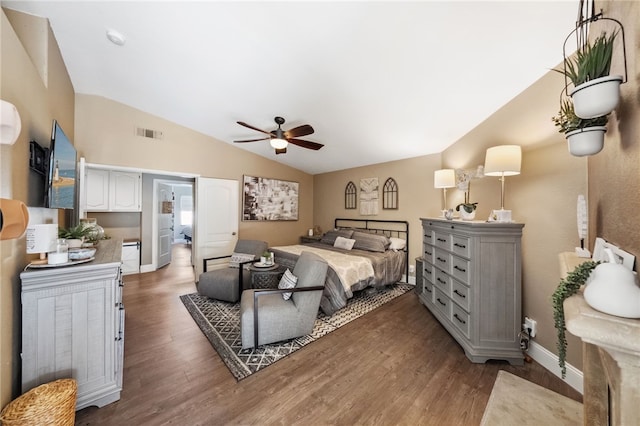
(591, 61)
(568, 287)
(75, 232)
(567, 120)
(468, 207)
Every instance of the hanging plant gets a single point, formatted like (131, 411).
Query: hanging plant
(568, 287)
(592, 61)
(585, 136)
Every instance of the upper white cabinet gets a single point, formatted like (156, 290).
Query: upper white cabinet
(112, 190)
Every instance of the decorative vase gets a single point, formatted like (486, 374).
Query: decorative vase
(597, 97)
(464, 215)
(613, 289)
(587, 141)
(74, 243)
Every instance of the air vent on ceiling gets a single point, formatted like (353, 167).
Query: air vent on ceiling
(148, 133)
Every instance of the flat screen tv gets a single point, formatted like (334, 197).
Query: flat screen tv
(61, 179)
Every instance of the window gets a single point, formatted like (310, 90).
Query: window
(186, 210)
(350, 196)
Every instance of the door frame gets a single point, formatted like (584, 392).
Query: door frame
(154, 218)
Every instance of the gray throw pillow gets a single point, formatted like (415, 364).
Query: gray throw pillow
(329, 237)
(370, 242)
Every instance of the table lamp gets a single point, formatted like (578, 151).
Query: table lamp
(41, 239)
(445, 178)
(503, 160)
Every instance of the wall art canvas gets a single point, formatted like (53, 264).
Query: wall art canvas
(369, 196)
(269, 199)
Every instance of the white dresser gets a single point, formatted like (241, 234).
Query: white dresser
(73, 326)
(472, 285)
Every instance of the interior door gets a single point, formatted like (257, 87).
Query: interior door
(165, 223)
(216, 219)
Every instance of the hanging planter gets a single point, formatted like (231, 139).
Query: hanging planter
(584, 136)
(595, 92)
(587, 141)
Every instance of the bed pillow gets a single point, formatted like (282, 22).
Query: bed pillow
(370, 242)
(288, 280)
(329, 237)
(237, 258)
(397, 243)
(344, 243)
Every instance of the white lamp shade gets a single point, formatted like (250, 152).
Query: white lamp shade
(445, 178)
(41, 238)
(278, 143)
(10, 124)
(503, 160)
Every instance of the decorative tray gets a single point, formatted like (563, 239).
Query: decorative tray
(263, 265)
(69, 263)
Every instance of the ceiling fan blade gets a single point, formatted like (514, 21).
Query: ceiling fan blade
(296, 132)
(251, 140)
(306, 144)
(281, 151)
(249, 126)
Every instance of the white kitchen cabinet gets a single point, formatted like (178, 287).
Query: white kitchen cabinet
(112, 190)
(73, 326)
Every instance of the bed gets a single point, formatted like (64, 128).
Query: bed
(379, 256)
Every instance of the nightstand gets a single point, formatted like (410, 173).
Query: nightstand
(310, 239)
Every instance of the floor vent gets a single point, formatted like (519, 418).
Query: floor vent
(148, 133)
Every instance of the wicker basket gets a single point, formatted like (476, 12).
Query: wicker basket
(52, 403)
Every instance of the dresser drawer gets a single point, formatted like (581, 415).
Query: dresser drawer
(441, 259)
(460, 294)
(460, 319)
(442, 302)
(443, 282)
(460, 245)
(460, 269)
(427, 235)
(428, 290)
(427, 271)
(428, 253)
(442, 240)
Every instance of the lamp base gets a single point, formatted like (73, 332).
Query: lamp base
(502, 216)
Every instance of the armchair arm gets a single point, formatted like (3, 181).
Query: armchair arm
(204, 261)
(258, 293)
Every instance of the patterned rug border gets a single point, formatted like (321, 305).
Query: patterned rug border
(225, 338)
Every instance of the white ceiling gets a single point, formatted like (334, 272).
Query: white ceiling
(379, 81)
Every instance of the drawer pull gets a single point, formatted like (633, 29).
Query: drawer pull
(459, 245)
(427, 271)
(459, 319)
(440, 281)
(459, 294)
(442, 240)
(441, 259)
(459, 268)
(427, 289)
(427, 253)
(441, 302)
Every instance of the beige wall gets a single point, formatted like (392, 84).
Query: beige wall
(38, 101)
(105, 134)
(614, 174)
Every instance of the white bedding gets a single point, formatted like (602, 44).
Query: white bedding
(350, 269)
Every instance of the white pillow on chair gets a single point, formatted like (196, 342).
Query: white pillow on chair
(288, 280)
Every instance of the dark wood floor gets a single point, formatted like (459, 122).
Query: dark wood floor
(395, 365)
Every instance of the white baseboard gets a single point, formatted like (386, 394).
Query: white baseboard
(147, 268)
(549, 360)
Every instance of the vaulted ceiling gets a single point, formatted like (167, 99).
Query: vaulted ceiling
(377, 80)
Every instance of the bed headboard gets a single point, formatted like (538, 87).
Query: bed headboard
(390, 228)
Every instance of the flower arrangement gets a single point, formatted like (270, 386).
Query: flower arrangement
(463, 183)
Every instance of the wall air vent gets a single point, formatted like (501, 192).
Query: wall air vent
(148, 133)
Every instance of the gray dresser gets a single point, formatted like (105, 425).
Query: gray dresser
(73, 326)
(472, 285)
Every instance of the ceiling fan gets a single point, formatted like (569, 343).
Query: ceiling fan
(279, 139)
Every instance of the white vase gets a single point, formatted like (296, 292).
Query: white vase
(464, 215)
(587, 141)
(613, 289)
(74, 243)
(597, 97)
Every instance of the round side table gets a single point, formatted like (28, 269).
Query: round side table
(268, 277)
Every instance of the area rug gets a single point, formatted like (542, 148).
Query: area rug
(220, 322)
(516, 401)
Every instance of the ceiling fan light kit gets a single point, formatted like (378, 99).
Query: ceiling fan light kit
(279, 139)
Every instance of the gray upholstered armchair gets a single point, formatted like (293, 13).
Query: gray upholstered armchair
(227, 283)
(265, 317)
